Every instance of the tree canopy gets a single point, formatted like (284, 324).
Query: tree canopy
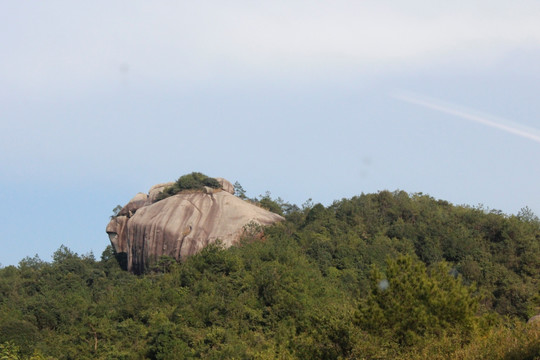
(378, 276)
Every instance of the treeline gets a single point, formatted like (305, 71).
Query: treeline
(378, 276)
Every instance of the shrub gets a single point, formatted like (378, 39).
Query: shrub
(193, 181)
(196, 180)
(211, 182)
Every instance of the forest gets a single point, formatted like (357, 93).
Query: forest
(388, 275)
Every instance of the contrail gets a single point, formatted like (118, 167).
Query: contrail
(528, 133)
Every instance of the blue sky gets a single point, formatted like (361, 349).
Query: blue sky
(321, 100)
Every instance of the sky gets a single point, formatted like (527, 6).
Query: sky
(306, 99)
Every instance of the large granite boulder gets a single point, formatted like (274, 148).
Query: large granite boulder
(181, 225)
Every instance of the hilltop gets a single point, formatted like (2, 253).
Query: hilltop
(377, 276)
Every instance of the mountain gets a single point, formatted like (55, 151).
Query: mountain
(389, 275)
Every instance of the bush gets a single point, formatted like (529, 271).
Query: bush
(211, 182)
(267, 203)
(196, 180)
(193, 181)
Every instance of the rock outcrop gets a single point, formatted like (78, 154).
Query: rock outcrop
(181, 225)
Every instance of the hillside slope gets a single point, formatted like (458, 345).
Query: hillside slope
(378, 276)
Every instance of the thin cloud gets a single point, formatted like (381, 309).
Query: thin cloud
(467, 114)
(66, 46)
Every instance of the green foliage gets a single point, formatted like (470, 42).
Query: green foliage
(239, 191)
(277, 206)
(410, 303)
(211, 182)
(21, 333)
(307, 288)
(193, 181)
(9, 351)
(164, 264)
(196, 180)
(269, 204)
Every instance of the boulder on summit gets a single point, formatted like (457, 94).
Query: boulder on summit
(182, 224)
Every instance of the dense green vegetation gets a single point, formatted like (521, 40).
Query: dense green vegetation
(379, 276)
(193, 181)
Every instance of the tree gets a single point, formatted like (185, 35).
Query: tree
(410, 302)
(267, 203)
(527, 215)
(239, 191)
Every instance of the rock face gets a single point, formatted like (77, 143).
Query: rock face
(181, 225)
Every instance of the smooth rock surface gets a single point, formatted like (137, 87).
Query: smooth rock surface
(134, 204)
(181, 225)
(117, 233)
(156, 190)
(226, 185)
